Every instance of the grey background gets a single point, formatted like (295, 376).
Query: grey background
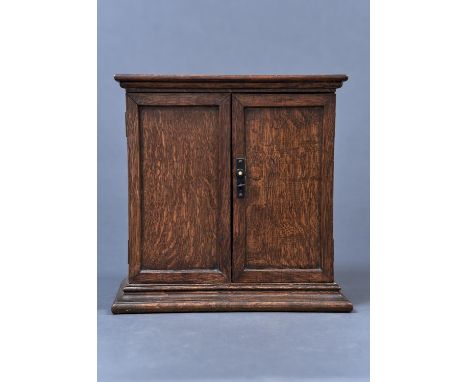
(236, 37)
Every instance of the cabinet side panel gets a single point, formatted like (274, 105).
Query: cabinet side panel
(327, 189)
(180, 203)
(134, 192)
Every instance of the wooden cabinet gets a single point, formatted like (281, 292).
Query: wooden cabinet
(230, 194)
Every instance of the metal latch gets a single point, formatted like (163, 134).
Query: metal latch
(240, 176)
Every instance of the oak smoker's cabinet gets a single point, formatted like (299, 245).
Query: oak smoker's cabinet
(230, 194)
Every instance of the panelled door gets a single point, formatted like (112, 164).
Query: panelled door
(282, 208)
(179, 187)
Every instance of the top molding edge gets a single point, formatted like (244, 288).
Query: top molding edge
(149, 81)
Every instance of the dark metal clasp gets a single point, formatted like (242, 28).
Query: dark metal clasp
(240, 176)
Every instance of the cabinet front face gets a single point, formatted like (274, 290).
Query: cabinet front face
(282, 226)
(179, 187)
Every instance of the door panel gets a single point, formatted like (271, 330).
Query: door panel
(183, 188)
(282, 226)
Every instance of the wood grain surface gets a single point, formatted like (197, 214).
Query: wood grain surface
(179, 190)
(278, 226)
(283, 150)
(183, 190)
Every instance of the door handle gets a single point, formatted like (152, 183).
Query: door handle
(240, 177)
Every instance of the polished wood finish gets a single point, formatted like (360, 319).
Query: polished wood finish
(193, 244)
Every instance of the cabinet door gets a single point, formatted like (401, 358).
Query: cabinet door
(282, 228)
(179, 187)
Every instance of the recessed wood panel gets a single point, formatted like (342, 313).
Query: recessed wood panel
(283, 150)
(179, 160)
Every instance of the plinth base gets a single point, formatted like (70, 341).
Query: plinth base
(159, 298)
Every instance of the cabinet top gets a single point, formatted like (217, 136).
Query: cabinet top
(320, 83)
